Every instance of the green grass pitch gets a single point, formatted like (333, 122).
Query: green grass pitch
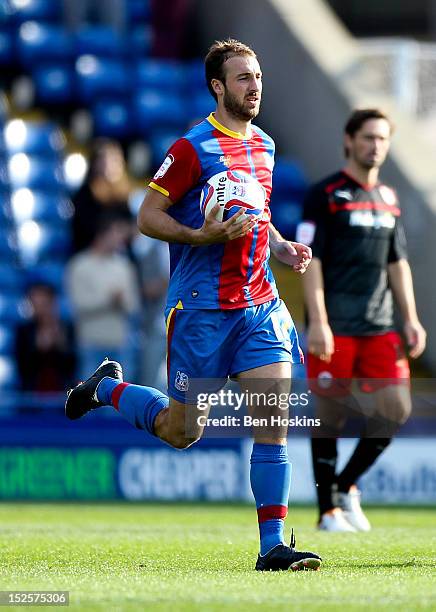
(201, 557)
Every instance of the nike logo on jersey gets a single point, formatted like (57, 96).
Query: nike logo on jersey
(345, 195)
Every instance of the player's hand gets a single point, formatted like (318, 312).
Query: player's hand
(294, 254)
(320, 341)
(214, 231)
(416, 338)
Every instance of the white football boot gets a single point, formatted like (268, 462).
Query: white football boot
(349, 503)
(334, 520)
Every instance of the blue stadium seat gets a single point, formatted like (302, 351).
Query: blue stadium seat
(51, 273)
(286, 215)
(201, 104)
(155, 109)
(112, 119)
(11, 279)
(11, 308)
(98, 77)
(8, 245)
(6, 217)
(6, 15)
(35, 173)
(138, 10)
(42, 138)
(54, 84)
(39, 42)
(4, 176)
(40, 206)
(6, 48)
(140, 38)
(288, 179)
(38, 243)
(195, 77)
(160, 142)
(65, 308)
(7, 340)
(99, 40)
(8, 373)
(160, 74)
(40, 10)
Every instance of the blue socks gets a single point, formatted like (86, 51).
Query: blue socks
(138, 405)
(270, 477)
(270, 473)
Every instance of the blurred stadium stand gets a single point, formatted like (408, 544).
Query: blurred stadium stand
(35, 232)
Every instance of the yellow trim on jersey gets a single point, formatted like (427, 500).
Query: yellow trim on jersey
(178, 306)
(159, 188)
(167, 326)
(222, 128)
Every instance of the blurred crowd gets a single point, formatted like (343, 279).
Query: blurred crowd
(116, 281)
(113, 296)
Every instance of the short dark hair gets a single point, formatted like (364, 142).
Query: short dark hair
(98, 148)
(359, 116)
(42, 285)
(218, 54)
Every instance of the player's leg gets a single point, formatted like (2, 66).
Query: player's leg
(270, 338)
(330, 383)
(384, 367)
(194, 339)
(143, 407)
(392, 409)
(332, 414)
(270, 471)
(151, 410)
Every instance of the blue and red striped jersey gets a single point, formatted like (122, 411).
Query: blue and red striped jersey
(235, 274)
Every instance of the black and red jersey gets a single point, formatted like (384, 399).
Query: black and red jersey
(355, 231)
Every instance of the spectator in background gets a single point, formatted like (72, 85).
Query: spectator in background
(111, 13)
(45, 345)
(104, 193)
(104, 292)
(153, 263)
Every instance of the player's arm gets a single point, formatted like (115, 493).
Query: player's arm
(154, 221)
(400, 280)
(178, 174)
(294, 254)
(320, 339)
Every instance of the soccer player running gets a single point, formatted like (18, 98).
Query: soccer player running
(224, 317)
(352, 222)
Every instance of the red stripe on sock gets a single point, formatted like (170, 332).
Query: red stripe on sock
(116, 394)
(268, 513)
